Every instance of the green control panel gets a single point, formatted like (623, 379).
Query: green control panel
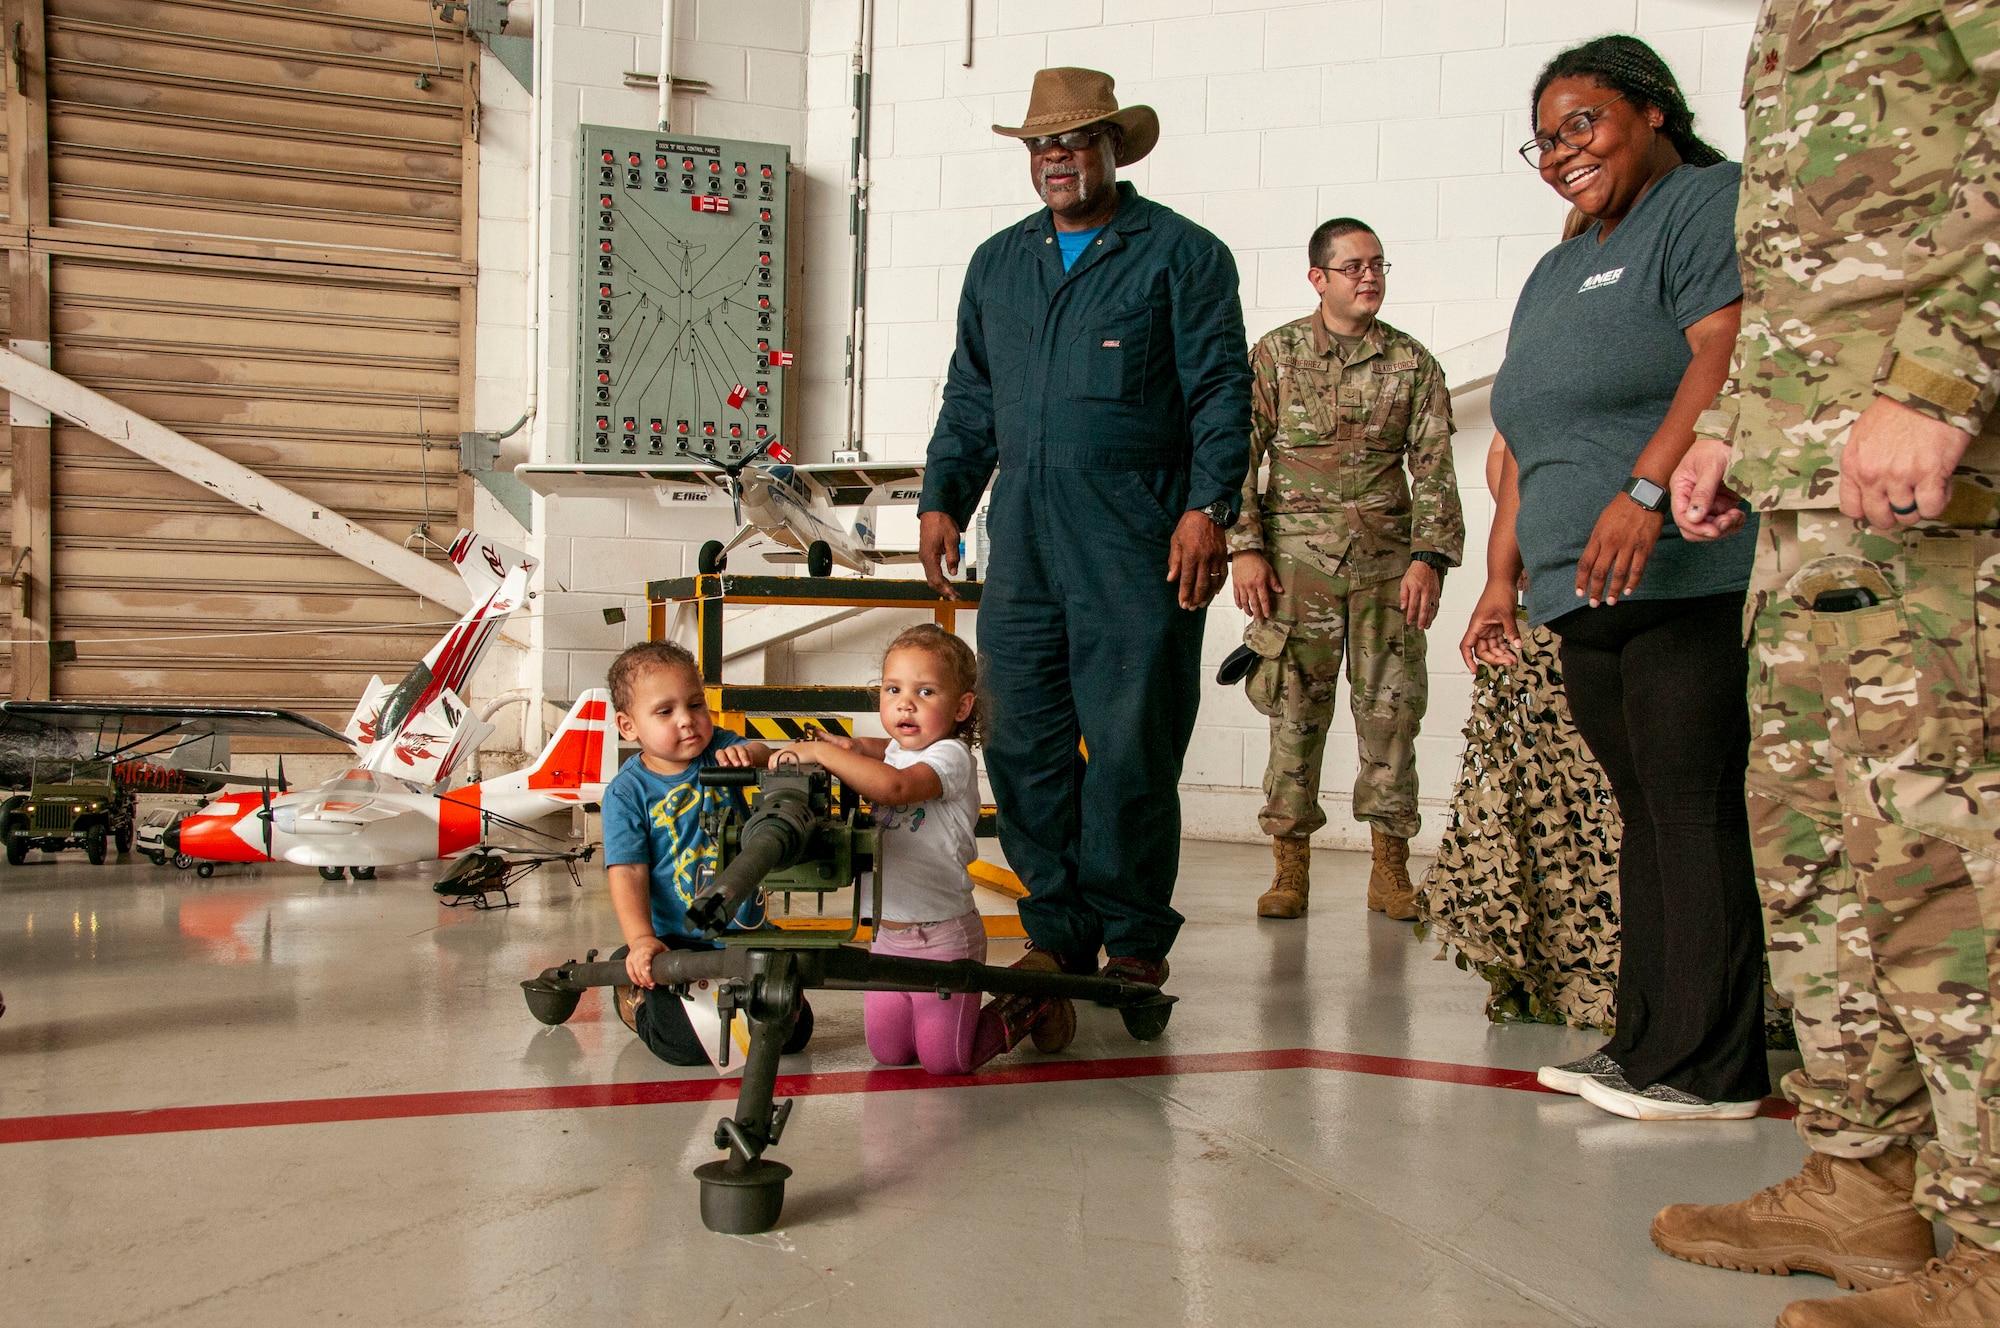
(681, 316)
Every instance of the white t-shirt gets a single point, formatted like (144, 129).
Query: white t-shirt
(927, 845)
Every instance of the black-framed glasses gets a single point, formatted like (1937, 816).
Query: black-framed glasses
(1353, 270)
(1075, 140)
(1576, 131)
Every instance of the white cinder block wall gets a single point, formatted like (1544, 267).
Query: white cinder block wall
(1274, 117)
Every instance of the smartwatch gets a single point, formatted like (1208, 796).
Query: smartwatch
(1218, 512)
(1645, 493)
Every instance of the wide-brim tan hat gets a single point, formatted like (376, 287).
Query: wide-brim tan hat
(1065, 99)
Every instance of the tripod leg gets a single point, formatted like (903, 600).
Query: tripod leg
(743, 1194)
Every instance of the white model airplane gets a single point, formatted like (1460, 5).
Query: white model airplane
(789, 504)
(367, 819)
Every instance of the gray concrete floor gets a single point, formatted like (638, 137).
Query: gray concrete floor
(1255, 1196)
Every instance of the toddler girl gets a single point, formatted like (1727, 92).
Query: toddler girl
(925, 790)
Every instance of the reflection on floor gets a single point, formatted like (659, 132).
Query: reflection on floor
(358, 1148)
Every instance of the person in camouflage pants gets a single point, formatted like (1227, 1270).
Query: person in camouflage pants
(1860, 421)
(1340, 556)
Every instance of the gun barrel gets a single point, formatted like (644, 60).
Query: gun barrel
(773, 838)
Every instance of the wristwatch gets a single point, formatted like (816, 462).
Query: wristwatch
(1645, 493)
(1435, 561)
(1218, 512)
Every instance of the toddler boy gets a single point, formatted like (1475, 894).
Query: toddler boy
(655, 850)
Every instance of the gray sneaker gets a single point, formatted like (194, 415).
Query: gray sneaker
(1660, 1103)
(1570, 1078)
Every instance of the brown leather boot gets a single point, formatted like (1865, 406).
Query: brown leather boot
(1961, 1290)
(1287, 896)
(1389, 890)
(1049, 1020)
(1849, 1220)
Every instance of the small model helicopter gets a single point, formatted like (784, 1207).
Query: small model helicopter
(768, 495)
(487, 871)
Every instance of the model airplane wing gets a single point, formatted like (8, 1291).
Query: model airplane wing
(671, 482)
(869, 484)
(129, 724)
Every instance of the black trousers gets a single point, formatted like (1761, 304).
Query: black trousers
(662, 1024)
(1657, 689)
(1082, 635)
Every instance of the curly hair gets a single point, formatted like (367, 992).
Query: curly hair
(961, 668)
(643, 658)
(1627, 65)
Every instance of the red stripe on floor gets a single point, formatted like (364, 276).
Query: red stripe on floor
(568, 1097)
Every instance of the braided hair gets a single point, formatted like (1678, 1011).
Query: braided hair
(1629, 66)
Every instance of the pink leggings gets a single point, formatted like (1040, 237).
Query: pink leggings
(905, 1026)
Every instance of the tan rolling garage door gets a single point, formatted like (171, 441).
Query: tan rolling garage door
(257, 235)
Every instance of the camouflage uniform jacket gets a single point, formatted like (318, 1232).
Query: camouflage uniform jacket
(1337, 435)
(1866, 230)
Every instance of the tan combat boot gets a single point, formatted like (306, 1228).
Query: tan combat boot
(1849, 1220)
(1287, 896)
(1389, 890)
(1961, 1290)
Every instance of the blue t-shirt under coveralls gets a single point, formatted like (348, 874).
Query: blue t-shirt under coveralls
(654, 820)
(1073, 243)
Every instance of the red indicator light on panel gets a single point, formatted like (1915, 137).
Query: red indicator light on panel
(659, 163)
(764, 260)
(763, 301)
(633, 159)
(655, 426)
(608, 158)
(604, 291)
(783, 359)
(715, 168)
(687, 163)
(630, 423)
(680, 426)
(737, 395)
(605, 245)
(763, 214)
(778, 452)
(708, 427)
(741, 169)
(735, 431)
(603, 375)
(604, 421)
(605, 201)
(767, 172)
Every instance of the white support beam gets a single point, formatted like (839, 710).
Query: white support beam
(1475, 364)
(747, 633)
(239, 484)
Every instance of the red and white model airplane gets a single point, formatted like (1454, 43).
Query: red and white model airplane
(392, 806)
(367, 819)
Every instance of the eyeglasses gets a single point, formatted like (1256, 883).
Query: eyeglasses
(1352, 271)
(1575, 131)
(1075, 140)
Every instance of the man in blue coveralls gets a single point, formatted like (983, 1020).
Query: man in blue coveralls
(1102, 368)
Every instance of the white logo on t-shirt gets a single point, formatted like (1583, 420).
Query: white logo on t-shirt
(1601, 279)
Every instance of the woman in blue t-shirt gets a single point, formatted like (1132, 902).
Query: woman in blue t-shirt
(1620, 338)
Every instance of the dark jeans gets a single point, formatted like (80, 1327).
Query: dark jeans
(1657, 689)
(662, 1023)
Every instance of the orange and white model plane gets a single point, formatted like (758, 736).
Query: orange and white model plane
(392, 806)
(366, 818)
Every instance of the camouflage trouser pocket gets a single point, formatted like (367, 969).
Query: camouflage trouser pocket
(1903, 678)
(1265, 681)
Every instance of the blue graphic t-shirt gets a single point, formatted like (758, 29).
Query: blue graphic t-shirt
(1073, 243)
(654, 820)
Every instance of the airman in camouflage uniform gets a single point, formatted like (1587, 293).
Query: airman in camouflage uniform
(1340, 523)
(1870, 247)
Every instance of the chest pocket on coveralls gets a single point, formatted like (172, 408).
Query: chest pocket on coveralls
(1009, 353)
(1109, 356)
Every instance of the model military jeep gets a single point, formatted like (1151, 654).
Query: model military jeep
(68, 805)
